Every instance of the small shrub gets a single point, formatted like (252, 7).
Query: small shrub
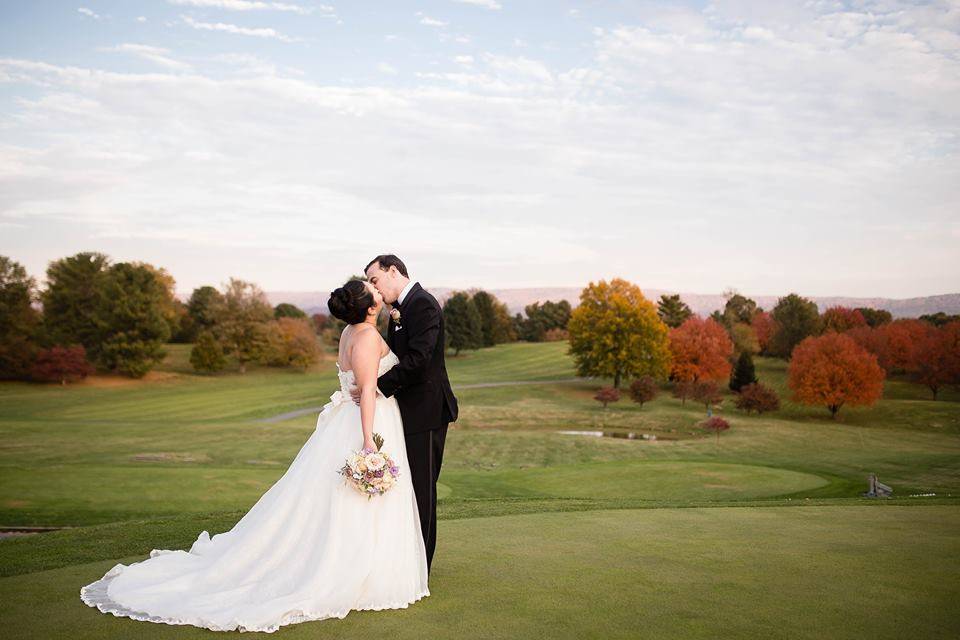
(607, 395)
(207, 353)
(757, 397)
(706, 392)
(715, 424)
(682, 389)
(643, 389)
(556, 335)
(61, 364)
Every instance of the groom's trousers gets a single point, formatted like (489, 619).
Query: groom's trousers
(424, 455)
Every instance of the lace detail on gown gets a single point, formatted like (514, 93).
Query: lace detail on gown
(298, 554)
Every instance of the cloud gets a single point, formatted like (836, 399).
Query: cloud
(250, 5)
(432, 22)
(259, 32)
(805, 133)
(486, 4)
(89, 12)
(141, 18)
(157, 55)
(387, 69)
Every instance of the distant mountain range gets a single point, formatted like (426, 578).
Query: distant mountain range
(701, 303)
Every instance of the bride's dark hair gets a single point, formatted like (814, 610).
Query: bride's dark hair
(350, 302)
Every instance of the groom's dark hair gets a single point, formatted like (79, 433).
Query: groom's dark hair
(386, 261)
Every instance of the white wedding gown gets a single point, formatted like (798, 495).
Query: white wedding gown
(311, 548)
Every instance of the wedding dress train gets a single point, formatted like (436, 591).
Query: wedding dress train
(311, 548)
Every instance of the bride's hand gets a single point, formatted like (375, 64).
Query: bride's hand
(369, 445)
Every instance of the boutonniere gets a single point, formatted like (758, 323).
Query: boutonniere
(395, 314)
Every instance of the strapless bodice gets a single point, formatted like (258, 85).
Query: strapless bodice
(347, 378)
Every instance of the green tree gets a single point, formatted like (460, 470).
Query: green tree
(495, 322)
(738, 308)
(462, 323)
(207, 354)
(134, 316)
(19, 321)
(616, 333)
(541, 318)
(744, 373)
(241, 321)
(875, 317)
(74, 301)
(203, 306)
(287, 310)
(672, 310)
(797, 318)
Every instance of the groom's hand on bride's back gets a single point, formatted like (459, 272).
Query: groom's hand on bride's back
(355, 393)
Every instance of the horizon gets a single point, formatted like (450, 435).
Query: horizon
(702, 146)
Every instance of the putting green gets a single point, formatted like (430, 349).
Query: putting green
(875, 571)
(651, 480)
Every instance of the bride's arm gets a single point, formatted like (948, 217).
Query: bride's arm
(365, 358)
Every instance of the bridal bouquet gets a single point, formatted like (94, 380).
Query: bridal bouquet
(371, 472)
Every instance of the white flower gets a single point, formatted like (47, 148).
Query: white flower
(395, 314)
(375, 461)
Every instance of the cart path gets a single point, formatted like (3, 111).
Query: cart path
(480, 385)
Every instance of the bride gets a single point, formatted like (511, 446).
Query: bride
(312, 547)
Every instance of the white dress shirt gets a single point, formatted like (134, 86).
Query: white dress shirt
(403, 294)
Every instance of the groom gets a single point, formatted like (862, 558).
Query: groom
(419, 381)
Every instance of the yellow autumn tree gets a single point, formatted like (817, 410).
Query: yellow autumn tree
(617, 333)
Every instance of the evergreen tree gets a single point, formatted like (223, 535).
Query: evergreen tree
(74, 302)
(672, 310)
(19, 321)
(134, 319)
(462, 323)
(744, 373)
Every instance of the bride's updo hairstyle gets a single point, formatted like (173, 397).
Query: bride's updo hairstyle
(350, 302)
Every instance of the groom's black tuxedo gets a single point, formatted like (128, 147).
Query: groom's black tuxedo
(419, 380)
(427, 404)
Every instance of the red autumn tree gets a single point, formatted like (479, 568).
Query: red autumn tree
(715, 424)
(841, 319)
(832, 370)
(900, 341)
(701, 350)
(937, 357)
(764, 326)
(61, 364)
(873, 339)
(643, 389)
(607, 395)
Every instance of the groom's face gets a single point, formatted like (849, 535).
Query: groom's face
(389, 283)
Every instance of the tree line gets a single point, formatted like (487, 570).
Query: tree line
(838, 358)
(93, 315)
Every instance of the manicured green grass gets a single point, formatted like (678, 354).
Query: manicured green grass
(588, 525)
(813, 572)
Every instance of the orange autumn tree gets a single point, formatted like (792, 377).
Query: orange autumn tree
(937, 357)
(616, 333)
(832, 370)
(764, 326)
(701, 350)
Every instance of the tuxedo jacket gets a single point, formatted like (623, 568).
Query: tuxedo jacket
(419, 380)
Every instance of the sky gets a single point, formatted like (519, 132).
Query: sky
(766, 146)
